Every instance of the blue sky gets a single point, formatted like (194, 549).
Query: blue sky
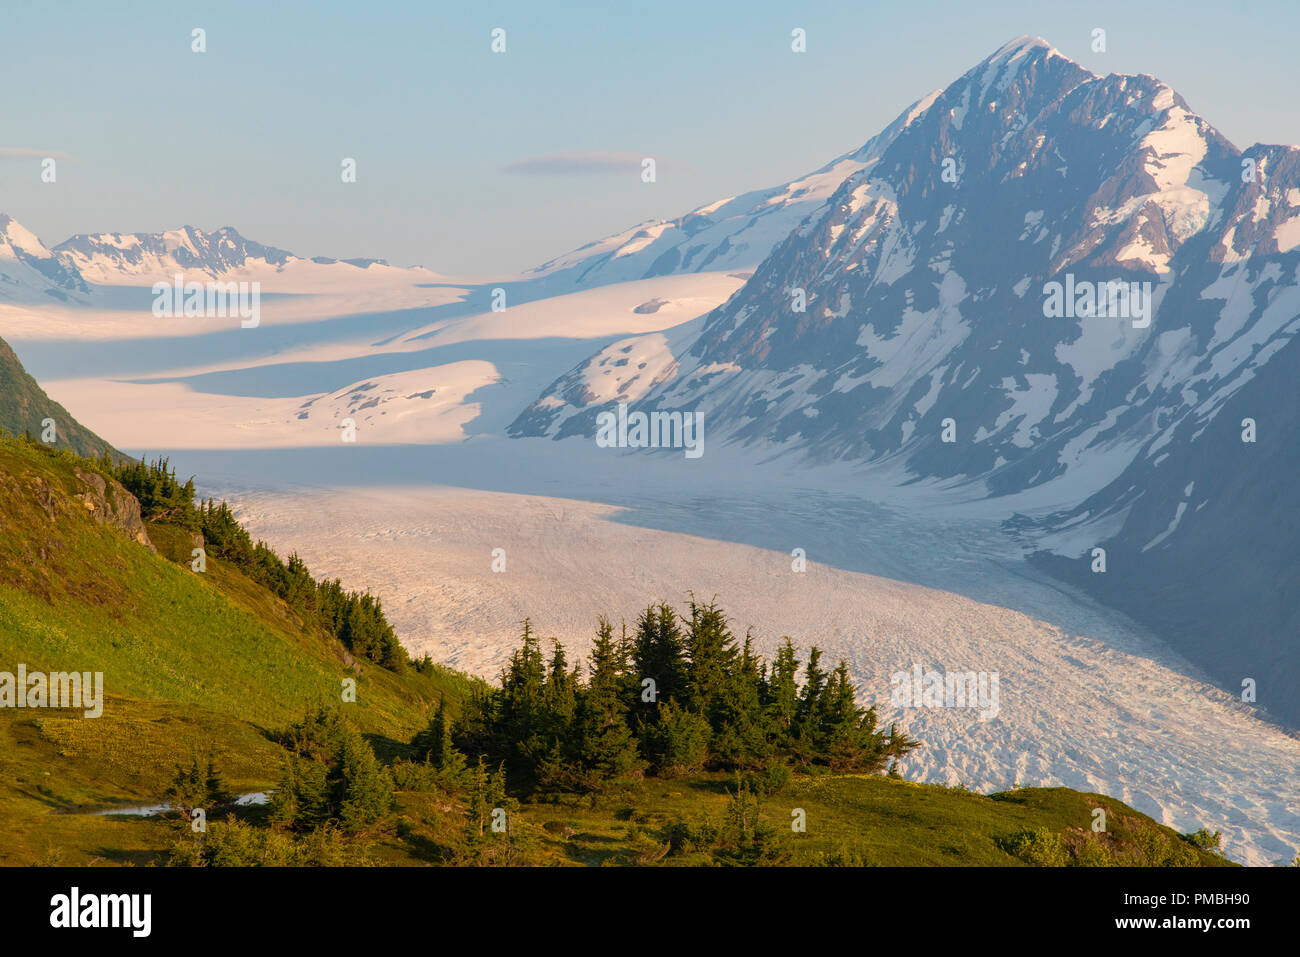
(449, 137)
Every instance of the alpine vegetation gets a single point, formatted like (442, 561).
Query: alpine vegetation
(676, 695)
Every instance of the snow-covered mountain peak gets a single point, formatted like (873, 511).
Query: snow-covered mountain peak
(917, 291)
(1024, 55)
(29, 271)
(19, 239)
(115, 258)
(1022, 49)
(1020, 46)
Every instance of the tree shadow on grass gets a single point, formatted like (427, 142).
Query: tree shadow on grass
(425, 849)
(139, 857)
(387, 749)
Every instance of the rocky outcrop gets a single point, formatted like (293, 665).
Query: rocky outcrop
(110, 504)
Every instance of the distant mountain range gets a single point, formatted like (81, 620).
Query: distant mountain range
(32, 272)
(101, 256)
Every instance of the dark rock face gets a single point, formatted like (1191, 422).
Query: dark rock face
(1208, 552)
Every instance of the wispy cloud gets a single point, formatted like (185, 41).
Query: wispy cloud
(585, 163)
(22, 152)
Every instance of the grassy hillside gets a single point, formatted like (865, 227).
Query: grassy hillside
(24, 406)
(191, 662)
(213, 664)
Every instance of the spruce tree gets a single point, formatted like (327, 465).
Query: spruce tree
(606, 746)
(522, 711)
(678, 743)
(477, 806)
(658, 654)
(783, 692)
(434, 744)
(559, 697)
(213, 785)
(809, 740)
(365, 788)
(849, 737)
(711, 653)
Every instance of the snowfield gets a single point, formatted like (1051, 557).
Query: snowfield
(436, 367)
